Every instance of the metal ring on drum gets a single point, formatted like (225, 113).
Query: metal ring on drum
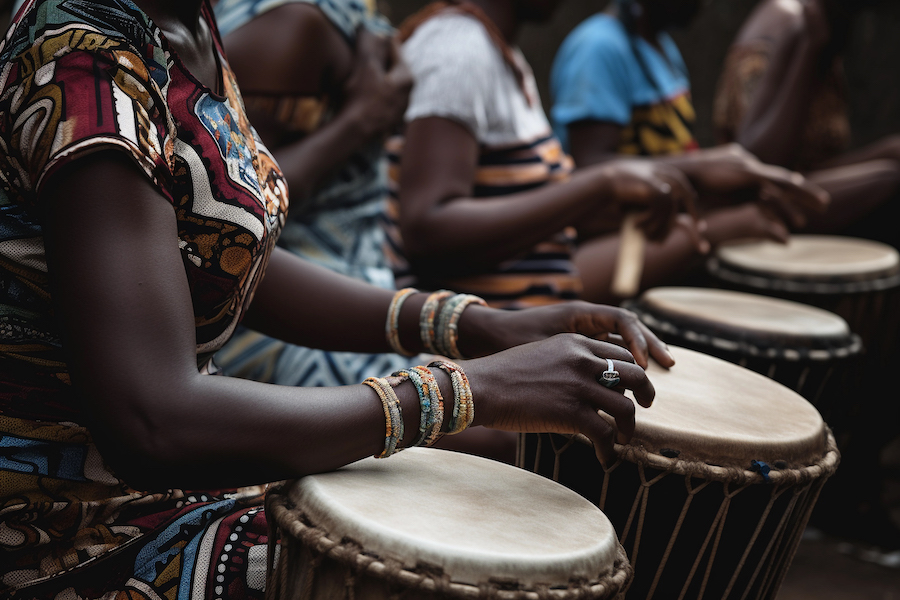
(436, 524)
(713, 492)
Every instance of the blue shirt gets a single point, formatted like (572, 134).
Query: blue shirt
(596, 75)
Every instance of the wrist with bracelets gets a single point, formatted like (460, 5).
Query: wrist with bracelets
(438, 321)
(431, 404)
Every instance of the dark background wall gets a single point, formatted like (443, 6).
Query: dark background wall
(872, 62)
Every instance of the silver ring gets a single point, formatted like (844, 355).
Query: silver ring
(610, 377)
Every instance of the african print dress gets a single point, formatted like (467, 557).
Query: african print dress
(77, 77)
(341, 226)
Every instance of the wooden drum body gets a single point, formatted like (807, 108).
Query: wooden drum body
(805, 348)
(430, 523)
(856, 279)
(712, 495)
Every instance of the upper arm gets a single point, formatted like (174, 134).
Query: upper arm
(119, 291)
(439, 160)
(292, 49)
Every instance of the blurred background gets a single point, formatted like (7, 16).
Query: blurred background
(872, 65)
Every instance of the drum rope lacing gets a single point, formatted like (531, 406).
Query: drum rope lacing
(804, 483)
(296, 528)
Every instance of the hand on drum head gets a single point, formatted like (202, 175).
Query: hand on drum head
(554, 386)
(485, 330)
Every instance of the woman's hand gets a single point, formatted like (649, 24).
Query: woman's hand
(729, 169)
(486, 330)
(657, 190)
(377, 90)
(552, 386)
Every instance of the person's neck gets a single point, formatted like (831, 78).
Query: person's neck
(648, 28)
(169, 14)
(503, 14)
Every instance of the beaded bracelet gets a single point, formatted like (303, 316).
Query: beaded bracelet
(463, 403)
(436, 401)
(392, 325)
(447, 334)
(431, 405)
(427, 316)
(392, 417)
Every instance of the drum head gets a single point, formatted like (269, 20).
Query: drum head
(475, 518)
(724, 318)
(710, 410)
(813, 257)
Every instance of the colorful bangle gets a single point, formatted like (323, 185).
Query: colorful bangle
(427, 317)
(392, 325)
(393, 418)
(436, 402)
(424, 402)
(463, 404)
(447, 334)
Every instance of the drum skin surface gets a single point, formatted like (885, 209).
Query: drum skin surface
(713, 411)
(813, 256)
(475, 518)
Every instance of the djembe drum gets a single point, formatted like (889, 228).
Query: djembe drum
(808, 349)
(856, 279)
(711, 496)
(430, 523)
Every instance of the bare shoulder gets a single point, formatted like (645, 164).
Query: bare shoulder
(265, 53)
(778, 21)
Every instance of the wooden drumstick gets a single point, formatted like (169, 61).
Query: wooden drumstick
(630, 263)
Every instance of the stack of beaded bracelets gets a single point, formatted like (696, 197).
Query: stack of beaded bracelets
(431, 404)
(438, 321)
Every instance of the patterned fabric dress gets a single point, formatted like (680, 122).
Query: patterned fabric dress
(339, 227)
(464, 72)
(77, 77)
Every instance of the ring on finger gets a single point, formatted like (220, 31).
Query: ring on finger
(610, 377)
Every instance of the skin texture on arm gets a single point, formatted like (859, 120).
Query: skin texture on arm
(370, 83)
(125, 308)
(441, 221)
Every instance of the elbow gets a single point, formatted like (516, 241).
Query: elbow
(142, 444)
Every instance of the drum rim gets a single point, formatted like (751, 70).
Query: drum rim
(886, 265)
(864, 283)
(760, 473)
(744, 343)
(294, 522)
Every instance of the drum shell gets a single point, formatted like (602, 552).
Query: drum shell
(749, 563)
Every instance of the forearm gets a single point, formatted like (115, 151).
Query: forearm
(482, 232)
(227, 432)
(665, 262)
(308, 161)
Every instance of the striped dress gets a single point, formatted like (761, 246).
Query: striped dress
(463, 74)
